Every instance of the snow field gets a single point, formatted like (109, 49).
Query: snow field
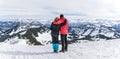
(85, 50)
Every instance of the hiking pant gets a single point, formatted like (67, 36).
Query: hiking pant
(64, 42)
(55, 46)
(55, 42)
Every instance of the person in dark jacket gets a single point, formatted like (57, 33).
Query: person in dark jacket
(55, 28)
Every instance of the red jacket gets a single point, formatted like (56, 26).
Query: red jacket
(64, 29)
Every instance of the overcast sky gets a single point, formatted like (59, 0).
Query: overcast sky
(72, 8)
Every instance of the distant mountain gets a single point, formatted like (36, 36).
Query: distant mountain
(22, 30)
(36, 33)
(93, 31)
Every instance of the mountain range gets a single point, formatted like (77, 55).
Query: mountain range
(36, 33)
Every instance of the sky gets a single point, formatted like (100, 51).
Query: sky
(70, 8)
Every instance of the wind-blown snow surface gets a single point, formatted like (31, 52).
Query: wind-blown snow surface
(109, 49)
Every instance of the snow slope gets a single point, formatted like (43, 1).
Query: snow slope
(109, 49)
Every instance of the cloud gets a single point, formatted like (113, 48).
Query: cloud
(80, 8)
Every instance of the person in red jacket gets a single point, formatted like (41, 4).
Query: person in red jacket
(64, 32)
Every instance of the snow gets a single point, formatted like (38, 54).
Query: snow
(15, 48)
(16, 41)
(94, 32)
(12, 32)
(109, 34)
(87, 32)
(34, 26)
(44, 37)
(85, 50)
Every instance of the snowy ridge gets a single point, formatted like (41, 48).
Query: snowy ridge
(92, 31)
(23, 30)
(84, 50)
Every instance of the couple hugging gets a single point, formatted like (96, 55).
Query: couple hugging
(59, 25)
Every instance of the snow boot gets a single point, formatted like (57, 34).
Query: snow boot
(62, 51)
(55, 51)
